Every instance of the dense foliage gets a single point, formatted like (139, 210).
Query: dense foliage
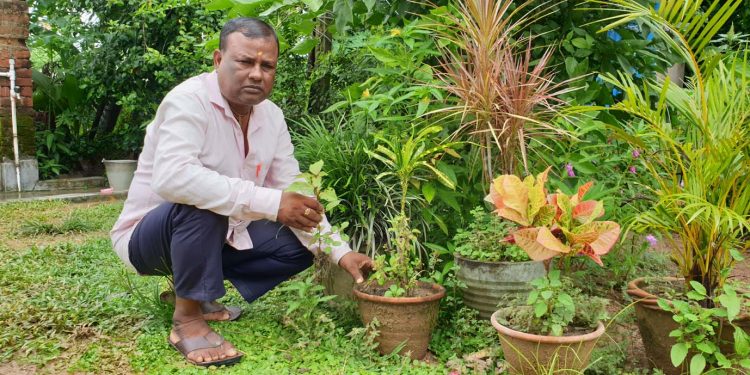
(101, 69)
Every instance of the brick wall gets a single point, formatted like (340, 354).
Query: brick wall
(14, 30)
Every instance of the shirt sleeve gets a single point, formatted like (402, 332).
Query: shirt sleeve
(283, 171)
(179, 176)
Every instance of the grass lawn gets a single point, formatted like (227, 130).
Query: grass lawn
(68, 305)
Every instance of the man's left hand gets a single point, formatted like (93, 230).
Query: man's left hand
(357, 264)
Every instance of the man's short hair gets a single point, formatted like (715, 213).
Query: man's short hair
(250, 27)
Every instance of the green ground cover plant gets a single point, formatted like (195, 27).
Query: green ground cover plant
(484, 239)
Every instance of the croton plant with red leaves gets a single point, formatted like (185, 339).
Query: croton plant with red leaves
(552, 224)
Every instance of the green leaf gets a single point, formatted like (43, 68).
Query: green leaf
(300, 187)
(732, 303)
(447, 169)
(304, 46)
(304, 27)
(570, 66)
(557, 330)
(697, 364)
(695, 296)
(533, 296)
(316, 167)
(678, 353)
(369, 4)
(736, 255)
(342, 9)
(704, 347)
(428, 190)
(219, 4)
(664, 304)
(313, 5)
(540, 309)
(741, 342)
(547, 294)
(329, 195)
(698, 287)
(581, 43)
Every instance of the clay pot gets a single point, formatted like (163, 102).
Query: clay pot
(530, 354)
(402, 319)
(337, 282)
(655, 325)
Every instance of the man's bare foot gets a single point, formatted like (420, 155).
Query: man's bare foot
(192, 336)
(200, 344)
(212, 311)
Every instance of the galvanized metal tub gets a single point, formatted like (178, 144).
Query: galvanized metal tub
(487, 282)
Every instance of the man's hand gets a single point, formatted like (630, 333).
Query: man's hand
(299, 211)
(358, 265)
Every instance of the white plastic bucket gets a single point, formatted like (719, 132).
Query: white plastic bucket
(120, 173)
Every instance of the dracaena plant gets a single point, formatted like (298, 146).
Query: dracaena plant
(696, 145)
(505, 91)
(552, 224)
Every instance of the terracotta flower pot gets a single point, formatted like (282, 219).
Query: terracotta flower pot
(402, 319)
(337, 282)
(529, 354)
(655, 325)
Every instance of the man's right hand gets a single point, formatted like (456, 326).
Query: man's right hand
(299, 211)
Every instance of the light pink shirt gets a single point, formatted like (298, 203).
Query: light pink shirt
(194, 154)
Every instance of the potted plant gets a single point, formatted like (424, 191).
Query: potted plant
(405, 307)
(341, 141)
(694, 142)
(557, 326)
(490, 268)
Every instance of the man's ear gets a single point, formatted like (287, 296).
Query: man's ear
(217, 58)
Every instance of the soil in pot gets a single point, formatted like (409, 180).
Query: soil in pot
(402, 320)
(529, 354)
(655, 324)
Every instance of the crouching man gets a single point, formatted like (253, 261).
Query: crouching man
(207, 202)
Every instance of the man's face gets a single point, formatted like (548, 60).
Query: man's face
(246, 69)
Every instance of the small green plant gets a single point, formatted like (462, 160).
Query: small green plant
(553, 305)
(303, 310)
(554, 309)
(700, 329)
(485, 239)
(411, 160)
(311, 183)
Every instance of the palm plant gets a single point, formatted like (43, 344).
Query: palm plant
(697, 146)
(506, 93)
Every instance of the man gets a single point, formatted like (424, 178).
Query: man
(207, 200)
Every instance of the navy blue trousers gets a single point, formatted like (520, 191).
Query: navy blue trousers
(189, 243)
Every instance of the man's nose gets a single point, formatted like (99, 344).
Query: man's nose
(255, 73)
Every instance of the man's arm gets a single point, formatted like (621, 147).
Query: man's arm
(179, 176)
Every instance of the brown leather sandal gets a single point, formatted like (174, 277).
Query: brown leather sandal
(208, 341)
(207, 307)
